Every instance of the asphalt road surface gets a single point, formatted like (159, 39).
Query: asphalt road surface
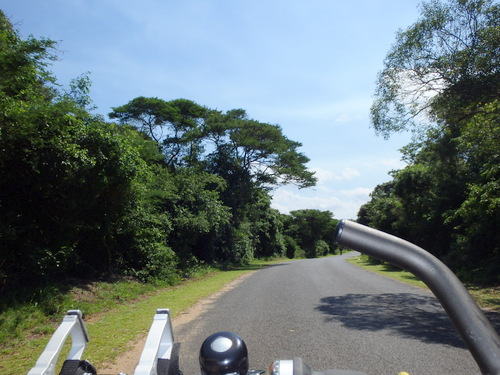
(333, 315)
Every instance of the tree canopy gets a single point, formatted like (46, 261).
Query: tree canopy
(259, 149)
(312, 230)
(442, 66)
(441, 80)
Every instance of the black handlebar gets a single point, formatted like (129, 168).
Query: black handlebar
(475, 329)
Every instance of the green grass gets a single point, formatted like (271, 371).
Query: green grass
(114, 313)
(387, 270)
(486, 297)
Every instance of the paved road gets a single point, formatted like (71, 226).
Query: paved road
(333, 315)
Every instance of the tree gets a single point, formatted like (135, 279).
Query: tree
(383, 211)
(68, 179)
(174, 125)
(65, 187)
(477, 253)
(441, 80)
(312, 230)
(441, 67)
(253, 157)
(250, 156)
(267, 227)
(260, 150)
(23, 73)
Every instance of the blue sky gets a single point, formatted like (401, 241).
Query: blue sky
(309, 66)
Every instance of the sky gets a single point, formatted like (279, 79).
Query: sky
(309, 66)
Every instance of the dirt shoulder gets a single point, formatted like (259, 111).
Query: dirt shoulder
(127, 361)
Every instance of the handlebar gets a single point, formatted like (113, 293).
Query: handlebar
(225, 353)
(477, 332)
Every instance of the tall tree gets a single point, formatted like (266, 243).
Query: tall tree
(443, 66)
(478, 218)
(252, 155)
(175, 125)
(441, 80)
(259, 149)
(68, 179)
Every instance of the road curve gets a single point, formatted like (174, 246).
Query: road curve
(334, 315)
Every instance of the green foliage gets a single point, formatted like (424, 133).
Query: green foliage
(144, 251)
(384, 210)
(293, 250)
(196, 212)
(258, 150)
(444, 69)
(268, 229)
(23, 74)
(67, 178)
(180, 187)
(478, 218)
(69, 181)
(312, 230)
(174, 125)
(441, 66)
(66, 186)
(214, 156)
(321, 248)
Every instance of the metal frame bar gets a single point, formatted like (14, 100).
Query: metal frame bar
(73, 325)
(159, 344)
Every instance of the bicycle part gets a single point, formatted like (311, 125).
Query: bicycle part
(73, 325)
(477, 332)
(223, 353)
(156, 357)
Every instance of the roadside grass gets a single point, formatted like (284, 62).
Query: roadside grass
(486, 297)
(115, 314)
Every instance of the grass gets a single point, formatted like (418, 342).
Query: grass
(486, 297)
(115, 314)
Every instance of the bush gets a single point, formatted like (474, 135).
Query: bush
(321, 248)
(293, 250)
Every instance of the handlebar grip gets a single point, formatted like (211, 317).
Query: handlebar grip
(475, 329)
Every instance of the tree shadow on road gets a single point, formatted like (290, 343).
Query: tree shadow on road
(404, 314)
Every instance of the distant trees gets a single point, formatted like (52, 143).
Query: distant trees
(441, 80)
(310, 231)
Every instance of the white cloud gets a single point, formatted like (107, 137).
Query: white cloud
(345, 118)
(343, 203)
(359, 193)
(342, 119)
(387, 163)
(347, 174)
(324, 175)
